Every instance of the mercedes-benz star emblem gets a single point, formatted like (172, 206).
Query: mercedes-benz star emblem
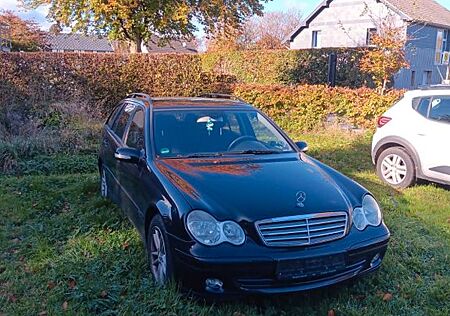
(301, 197)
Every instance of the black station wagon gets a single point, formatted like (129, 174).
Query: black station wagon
(227, 203)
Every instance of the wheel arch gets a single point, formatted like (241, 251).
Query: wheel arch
(394, 141)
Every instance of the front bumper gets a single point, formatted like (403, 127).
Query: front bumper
(255, 269)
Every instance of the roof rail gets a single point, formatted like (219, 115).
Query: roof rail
(220, 96)
(435, 87)
(143, 96)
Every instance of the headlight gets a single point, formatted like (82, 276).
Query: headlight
(368, 214)
(209, 231)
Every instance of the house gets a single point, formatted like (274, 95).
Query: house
(5, 38)
(73, 42)
(80, 43)
(351, 23)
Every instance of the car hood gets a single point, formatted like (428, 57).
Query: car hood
(251, 188)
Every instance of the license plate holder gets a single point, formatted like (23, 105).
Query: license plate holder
(309, 267)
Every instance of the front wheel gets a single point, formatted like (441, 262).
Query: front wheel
(160, 257)
(396, 167)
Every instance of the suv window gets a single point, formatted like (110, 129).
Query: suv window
(440, 109)
(121, 123)
(135, 137)
(421, 105)
(113, 116)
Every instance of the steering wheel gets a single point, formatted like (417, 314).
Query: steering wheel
(240, 140)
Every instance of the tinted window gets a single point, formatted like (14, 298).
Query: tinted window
(113, 116)
(421, 105)
(135, 137)
(440, 109)
(121, 123)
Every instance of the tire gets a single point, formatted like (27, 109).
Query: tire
(160, 259)
(396, 168)
(103, 183)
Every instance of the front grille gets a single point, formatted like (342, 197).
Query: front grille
(302, 230)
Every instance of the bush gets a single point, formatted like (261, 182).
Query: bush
(308, 66)
(305, 107)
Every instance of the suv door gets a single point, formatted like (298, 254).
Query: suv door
(433, 133)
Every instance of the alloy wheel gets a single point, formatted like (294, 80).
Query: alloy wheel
(158, 256)
(393, 169)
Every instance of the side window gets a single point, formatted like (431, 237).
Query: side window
(121, 122)
(421, 105)
(113, 116)
(440, 109)
(266, 133)
(135, 137)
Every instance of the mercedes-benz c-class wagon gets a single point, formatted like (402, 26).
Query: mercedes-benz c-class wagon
(226, 203)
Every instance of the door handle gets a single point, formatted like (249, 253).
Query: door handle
(421, 134)
(105, 142)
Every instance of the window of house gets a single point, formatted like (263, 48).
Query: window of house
(369, 36)
(426, 78)
(315, 39)
(442, 45)
(413, 78)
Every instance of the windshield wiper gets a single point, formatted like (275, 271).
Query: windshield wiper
(255, 152)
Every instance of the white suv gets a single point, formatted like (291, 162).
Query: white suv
(413, 138)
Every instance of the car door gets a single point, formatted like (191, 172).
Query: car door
(113, 140)
(433, 135)
(132, 175)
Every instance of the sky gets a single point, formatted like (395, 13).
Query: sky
(305, 6)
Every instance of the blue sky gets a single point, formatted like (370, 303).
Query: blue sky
(305, 6)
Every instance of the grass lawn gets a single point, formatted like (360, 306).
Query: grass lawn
(63, 249)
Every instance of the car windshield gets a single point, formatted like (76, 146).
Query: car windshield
(198, 133)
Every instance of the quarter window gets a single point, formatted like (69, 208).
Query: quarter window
(113, 116)
(421, 105)
(135, 137)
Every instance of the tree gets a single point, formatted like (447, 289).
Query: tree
(138, 20)
(25, 35)
(270, 30)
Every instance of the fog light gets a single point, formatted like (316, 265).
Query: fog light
(375, 260)
(214, 285)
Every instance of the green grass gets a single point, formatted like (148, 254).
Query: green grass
(65, 249)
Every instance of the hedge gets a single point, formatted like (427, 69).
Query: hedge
(100, 80)
(307, 66)
(305, 107)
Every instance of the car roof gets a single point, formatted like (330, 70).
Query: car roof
(207, 101)
(428, 91)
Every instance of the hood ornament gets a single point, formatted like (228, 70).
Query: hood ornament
(301, 198)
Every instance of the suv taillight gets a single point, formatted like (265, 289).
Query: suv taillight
(383, 120)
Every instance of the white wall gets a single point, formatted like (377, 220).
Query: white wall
(344, 23)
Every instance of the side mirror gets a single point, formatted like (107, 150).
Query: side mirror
(128, 154)
(302, 146)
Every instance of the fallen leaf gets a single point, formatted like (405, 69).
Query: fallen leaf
(65, 305)
(43, 313)
(15, 240)
(387, 297)
(50, 285)
(125, 245)
(331, 312)
(72, 283)
(238, 314)
(103, 294)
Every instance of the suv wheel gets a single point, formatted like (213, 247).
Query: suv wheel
(396, 168)
(160, 258)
